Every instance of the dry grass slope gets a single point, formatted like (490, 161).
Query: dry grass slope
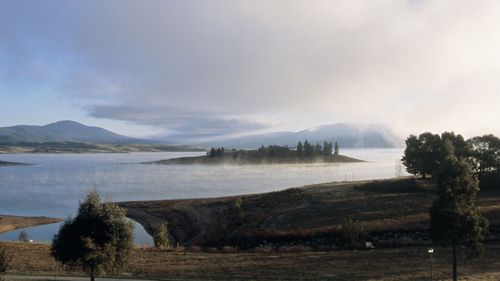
(383, 264)
(380, 206)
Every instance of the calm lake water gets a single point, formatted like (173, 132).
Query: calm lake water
(57, 182)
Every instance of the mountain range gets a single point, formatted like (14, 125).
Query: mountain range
(346, 134)
(64, 131)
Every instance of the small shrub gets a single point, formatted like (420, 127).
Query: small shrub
(237, 214)
(262, 250)
(295, 249)
(195, 249)
(229, 249)
(352, 231)
(388, 243)
(326, 248)
(160, 236)
(4, 259)
(23, 236)
(178, 249)
(212, 250)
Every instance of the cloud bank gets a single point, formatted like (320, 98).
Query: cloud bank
(203, 69)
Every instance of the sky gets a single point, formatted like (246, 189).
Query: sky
(214, 69)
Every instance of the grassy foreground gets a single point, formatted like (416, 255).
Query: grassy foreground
(410, 263)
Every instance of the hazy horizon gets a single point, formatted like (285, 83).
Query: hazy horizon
(210, 69)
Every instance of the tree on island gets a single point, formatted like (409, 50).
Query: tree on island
(455, 217)
(327, 148)
(300, 149)
(336, 149)
(308, 149)
(216, 152)
(98, 240)
(317, 149)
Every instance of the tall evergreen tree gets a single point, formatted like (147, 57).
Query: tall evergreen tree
(327, 148)
(212, 152)
(317, 149)
(336, 149)
(455, 217)
(308, 149)
(300, 149)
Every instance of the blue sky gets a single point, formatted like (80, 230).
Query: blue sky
(215, 69)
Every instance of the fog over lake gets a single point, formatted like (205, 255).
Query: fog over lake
(57, 182)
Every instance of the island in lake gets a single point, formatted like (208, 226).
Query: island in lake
(273, 154)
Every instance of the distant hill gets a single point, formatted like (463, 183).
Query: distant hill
(348, 135)
(64, 131)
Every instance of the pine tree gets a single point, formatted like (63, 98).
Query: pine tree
(300, 149)
(336, 149)
(212, 152)
(317, 149)
(308, 149)
(327, 148)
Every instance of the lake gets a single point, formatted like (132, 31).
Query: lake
(57, 182)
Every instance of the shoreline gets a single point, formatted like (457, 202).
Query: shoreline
(81, 148)
(11, 222)
(6, 163)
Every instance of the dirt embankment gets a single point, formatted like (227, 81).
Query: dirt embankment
(311, 215)
(8, 223)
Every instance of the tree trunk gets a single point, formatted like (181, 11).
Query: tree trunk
(92, 275)
(454, 262)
